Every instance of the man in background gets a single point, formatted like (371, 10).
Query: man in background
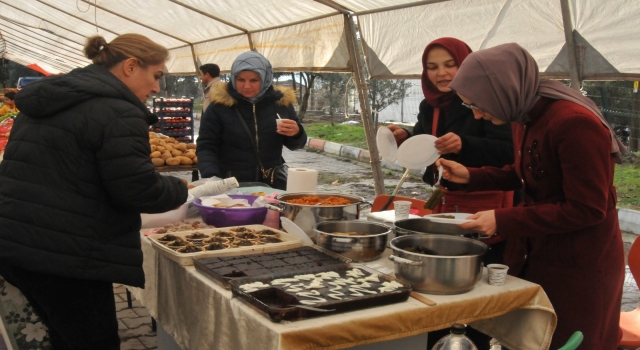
(209, 75)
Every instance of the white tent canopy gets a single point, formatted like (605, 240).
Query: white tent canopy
(298, 35)
(576, 39)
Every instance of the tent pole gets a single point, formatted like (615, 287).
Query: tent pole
(355, 53)
(571, 46)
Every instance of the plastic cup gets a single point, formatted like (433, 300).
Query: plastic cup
(497, 274)
(402, 209)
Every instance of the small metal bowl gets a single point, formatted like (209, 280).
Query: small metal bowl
(367, 244)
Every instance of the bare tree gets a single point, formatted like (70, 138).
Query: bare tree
(334, 85)
(309, 81)
(383, 93)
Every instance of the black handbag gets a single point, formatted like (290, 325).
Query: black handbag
(275, 177)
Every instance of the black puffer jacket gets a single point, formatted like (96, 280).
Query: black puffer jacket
(224, 147)
(75, 177)
(483, 143)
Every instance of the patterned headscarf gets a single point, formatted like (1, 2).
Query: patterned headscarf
(459, 51)
(254, 62)
(504, 81)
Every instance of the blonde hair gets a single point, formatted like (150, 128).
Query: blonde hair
(123, 47)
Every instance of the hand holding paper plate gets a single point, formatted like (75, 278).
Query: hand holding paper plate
(416, 152)
(387, 144)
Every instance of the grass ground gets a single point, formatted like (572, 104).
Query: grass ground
(627, 175)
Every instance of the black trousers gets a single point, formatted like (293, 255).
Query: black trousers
(79, 314)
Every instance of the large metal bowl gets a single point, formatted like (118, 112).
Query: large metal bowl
(369, 244)
(451, 265)
(425, 226)
(307, 216)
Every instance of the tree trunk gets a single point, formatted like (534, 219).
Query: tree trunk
(304, 104)
(634, 135)
(293, 84)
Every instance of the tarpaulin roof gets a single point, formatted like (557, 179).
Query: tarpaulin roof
(308, 35)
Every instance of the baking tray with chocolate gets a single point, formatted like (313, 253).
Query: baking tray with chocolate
(222, 270)
(297, 295)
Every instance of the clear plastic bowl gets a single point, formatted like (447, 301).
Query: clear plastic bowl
(169, 217)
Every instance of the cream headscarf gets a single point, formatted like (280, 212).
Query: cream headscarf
(504, 81)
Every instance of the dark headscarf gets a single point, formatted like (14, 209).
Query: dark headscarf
(254, 62)
(459, 51)
(504, 81)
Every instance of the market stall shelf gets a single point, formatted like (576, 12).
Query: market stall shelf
(176, 118)
(254, 245)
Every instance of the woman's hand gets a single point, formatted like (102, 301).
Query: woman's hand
(454, 172)
(399, 133)
(288, 127)
(484, 222)
(448, 143)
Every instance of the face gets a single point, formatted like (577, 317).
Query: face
(478, 113)
(248, 83)
(144, 82)
(441, 68)
(205, 77)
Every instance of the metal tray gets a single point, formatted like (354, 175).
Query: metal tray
(223, 277)
(186, 259)
(275, 302)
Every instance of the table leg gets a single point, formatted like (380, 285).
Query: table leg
(195, 176)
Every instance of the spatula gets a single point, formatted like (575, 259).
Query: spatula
(395, 192)
(438, 191)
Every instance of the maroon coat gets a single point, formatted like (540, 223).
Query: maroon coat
(565, 235)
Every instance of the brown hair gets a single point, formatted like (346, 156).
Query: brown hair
(122, 47)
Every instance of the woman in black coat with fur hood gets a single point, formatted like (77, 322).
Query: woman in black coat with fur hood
(225, 147)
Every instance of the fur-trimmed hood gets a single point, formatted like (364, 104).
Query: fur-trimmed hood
(219, 94)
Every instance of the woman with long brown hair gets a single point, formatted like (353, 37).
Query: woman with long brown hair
(75, 177)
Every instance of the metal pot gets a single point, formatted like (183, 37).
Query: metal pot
(369, 244)
(422, 226)
(307, 216)
(453, 264)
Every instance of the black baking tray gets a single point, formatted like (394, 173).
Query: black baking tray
(222, 270)
(275, 302)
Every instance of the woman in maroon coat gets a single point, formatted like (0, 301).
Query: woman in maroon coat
(565, 235)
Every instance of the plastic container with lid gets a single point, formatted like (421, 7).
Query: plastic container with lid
(456, 340)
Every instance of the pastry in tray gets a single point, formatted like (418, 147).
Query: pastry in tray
(179, 226)
(182, 247)
(222, 269)
(337, 289)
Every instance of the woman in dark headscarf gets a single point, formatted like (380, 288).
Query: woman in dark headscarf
(462, 138)
(565, 235)
(225, 146)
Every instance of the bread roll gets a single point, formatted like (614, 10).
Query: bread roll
(185, 160)
(181, 147)
(153, 135)
(156, 154)
(166, 155)
(157, 161)
(190, 154)
(173, 161)
(176, 153)
(191, 146)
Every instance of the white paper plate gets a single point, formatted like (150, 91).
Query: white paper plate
(294, 230)
(459, 218)
(418, 152)
(387, 144)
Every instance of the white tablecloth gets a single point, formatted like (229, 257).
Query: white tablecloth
(201, 314)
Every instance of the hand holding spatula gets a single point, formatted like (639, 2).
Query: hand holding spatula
(438, 191)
